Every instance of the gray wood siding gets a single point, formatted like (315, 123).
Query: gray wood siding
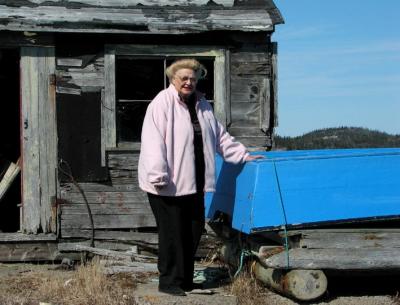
(250, 96)
(117, 205)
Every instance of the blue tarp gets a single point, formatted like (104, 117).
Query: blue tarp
(302, 188)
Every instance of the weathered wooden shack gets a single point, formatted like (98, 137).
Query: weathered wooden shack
(76, 78)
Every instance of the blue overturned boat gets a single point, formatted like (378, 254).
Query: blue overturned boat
(310, 188)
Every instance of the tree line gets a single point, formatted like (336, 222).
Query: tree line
(341, 137)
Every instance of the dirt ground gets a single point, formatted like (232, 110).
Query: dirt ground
(366, 290)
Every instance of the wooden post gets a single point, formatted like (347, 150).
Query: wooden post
(39, 138)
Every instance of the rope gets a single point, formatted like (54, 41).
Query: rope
(284, 216)
(243, 254)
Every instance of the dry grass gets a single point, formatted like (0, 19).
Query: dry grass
(85, 286)
(396, 299)
(248, 290)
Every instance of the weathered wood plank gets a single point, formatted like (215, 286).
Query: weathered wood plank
(106, 197)
(248, 88)
(106, 209)
(65, 246)
(134, 20)
(66, 90)
(131, 237)
(8, 178)
(266, 111)
(129, 3)
(220, 91)
(253, 56)
(108, 110)
(123, 161)
(108, 221)
(246, 132)
(39, 137)
(253, 142)
(124, 181)
(228, 87)
(28, 252)
(135, 267)
(30, 141)
(117, 173)
(100, 187)
(87, 81)
(19, 237)
(47, 134)
(251, 68)
(339, 259)
(274, 77)
(329, 240)
(245, 114)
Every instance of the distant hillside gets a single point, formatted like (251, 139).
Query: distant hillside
(343, 137)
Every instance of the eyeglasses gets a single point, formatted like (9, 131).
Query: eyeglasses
(184, 79)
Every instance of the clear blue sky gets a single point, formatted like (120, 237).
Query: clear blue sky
(338, 65)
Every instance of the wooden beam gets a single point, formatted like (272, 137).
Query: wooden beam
(337, 259)
(9, 176)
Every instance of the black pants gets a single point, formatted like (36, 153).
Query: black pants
(180, 223)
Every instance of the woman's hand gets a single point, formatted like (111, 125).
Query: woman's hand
(253, 157)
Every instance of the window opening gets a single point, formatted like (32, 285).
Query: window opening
(138, 81)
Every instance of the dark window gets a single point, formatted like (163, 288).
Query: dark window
(138, 81)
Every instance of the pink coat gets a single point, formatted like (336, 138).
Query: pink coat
(167, 152)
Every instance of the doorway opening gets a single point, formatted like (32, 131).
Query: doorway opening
(10, 148)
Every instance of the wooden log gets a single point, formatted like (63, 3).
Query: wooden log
(337, 259)
(9, 177)
(303, 285)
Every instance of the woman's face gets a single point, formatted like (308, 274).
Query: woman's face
(185, 82)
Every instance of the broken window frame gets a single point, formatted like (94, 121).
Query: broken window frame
(109, 102)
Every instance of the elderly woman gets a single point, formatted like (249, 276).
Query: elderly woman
(180, 137)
